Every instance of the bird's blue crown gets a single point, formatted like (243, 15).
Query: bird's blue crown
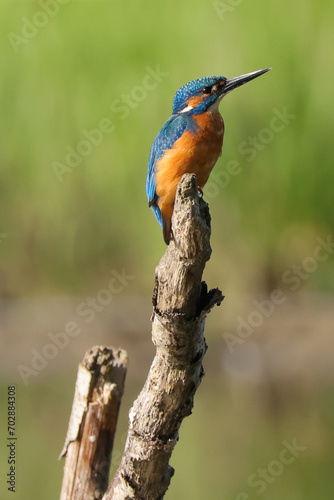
(193, 89)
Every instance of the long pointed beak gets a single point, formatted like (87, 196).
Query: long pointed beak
(233, 83)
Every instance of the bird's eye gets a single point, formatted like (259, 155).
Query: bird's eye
(206, 90)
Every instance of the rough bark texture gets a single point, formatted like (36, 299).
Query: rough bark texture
(181, 302)
(90, 435)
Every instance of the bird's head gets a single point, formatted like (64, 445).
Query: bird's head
(198, 96)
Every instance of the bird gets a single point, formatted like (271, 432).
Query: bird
(190, 141)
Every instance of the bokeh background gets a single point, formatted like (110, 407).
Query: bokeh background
(68, 68)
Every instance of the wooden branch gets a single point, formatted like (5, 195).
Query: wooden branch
(90, 435)
(181, 302)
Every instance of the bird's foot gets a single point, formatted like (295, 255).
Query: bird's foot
(200, 191)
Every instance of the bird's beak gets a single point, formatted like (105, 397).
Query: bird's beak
(233, 83)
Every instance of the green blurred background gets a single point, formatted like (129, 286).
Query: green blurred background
(61, 235)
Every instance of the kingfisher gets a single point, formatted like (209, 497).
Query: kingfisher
(190, 141)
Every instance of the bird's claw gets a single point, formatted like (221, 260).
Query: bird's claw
(200, 191)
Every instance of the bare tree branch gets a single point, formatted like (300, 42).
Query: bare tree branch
(181, 302)
(90, 435)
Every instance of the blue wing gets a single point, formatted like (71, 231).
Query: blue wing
(170, 132)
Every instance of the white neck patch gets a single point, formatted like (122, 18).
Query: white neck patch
(187, 108)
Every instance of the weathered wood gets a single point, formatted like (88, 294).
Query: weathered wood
(89, 440)
(181, 302)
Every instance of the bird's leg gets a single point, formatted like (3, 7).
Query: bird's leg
(153, 201)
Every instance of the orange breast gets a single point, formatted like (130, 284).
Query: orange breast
(194, 152)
